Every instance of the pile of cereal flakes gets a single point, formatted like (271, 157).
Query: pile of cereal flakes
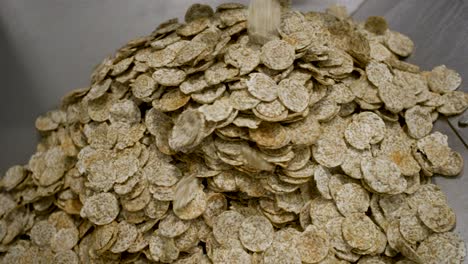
(194, 145)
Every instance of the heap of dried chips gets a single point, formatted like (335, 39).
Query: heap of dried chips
(194, 145)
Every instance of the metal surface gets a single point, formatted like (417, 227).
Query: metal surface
(48, 47)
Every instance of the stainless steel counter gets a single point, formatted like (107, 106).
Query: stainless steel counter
(49, 47)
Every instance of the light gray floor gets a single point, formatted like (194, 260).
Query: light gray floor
(49, 47)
